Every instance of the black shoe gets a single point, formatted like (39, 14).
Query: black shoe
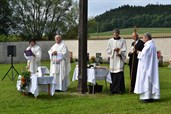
(147, 100)
(112, 92)
(58, 91)
(131, 91)
(117, 92)
(120, 92)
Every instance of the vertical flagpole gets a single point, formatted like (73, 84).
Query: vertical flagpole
(82, 74)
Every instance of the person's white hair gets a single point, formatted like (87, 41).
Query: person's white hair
(148, 35)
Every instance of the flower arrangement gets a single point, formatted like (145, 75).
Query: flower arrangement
(25, 80)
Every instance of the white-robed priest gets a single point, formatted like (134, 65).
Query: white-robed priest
(60, 64)
(33, 56)
(147, 82)
(116, 49)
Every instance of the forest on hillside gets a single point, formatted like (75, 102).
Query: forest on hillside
(128, 16)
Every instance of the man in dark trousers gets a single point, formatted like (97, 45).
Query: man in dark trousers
(116, 49)
(137, 45)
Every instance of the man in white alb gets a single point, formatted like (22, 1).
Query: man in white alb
(147, 82)
(60, 64)
(116, 49)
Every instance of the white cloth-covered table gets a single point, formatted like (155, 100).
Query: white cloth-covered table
(39, 84)
(94, 74)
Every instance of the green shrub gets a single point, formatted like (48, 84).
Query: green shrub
(9, 38)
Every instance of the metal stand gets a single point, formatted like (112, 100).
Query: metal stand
(12, 69)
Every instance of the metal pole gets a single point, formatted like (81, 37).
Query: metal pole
(82, 75)
(12, 68)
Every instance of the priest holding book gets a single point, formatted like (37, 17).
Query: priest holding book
(33, 55)
(60, 64)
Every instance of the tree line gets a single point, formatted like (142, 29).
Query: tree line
(128, 16)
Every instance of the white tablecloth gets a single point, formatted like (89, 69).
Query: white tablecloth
(39, 84)
(94, 74)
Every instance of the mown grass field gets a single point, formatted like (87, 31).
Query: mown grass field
(70, 102)
(126, 33)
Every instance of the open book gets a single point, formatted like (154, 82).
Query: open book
(28, 53)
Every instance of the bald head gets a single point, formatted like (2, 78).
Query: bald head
(135, 36)
(58, 39)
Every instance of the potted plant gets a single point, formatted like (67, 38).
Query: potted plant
(25, 80)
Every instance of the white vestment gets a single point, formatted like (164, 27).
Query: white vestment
(60, 70)
(147, 81)
(116, 62)
(34, 61)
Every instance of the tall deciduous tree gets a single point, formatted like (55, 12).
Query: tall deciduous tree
(5, 20)
(36, 18)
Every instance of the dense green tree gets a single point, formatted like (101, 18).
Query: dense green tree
(36, 18)
(5, 17)
(92, 25)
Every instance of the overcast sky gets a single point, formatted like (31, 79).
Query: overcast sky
(97, 7)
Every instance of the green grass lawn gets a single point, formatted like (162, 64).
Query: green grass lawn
(156, 32)
(12, 102)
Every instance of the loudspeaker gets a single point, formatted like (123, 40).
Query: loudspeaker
(11, 50)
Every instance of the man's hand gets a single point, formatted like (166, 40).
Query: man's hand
(133, 49)
(116, 49)
(54, 53)
(138, 52)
